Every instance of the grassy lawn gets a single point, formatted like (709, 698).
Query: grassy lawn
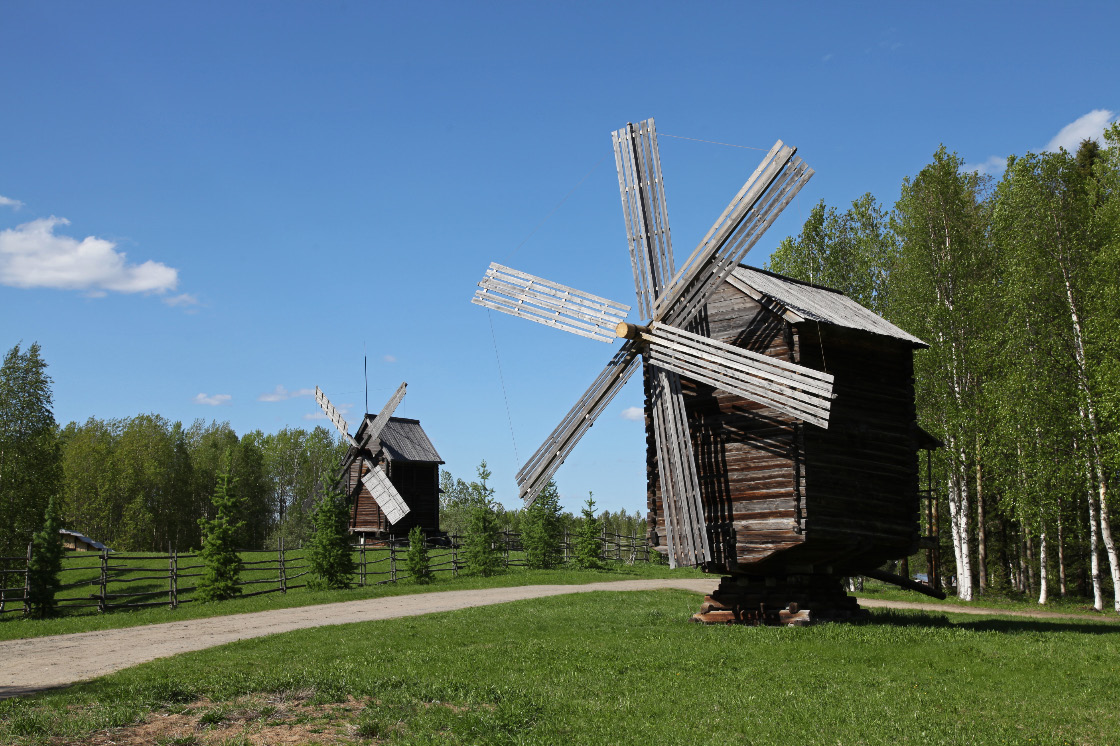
(991, 600)
(14, 626)
(610, 668)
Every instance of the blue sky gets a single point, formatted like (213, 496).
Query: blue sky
(207, 209)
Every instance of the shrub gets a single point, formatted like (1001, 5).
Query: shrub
(588, 542)
(417, 558)
(483, 532)
(45, 564)
(542, 531)
(219, 553)
(329, 556)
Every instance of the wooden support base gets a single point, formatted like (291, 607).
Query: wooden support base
(792, 600)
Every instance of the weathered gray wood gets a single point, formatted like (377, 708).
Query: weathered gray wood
(796, 390)
(547, 459)
(333, 415)
(536, 299)
(386, 495)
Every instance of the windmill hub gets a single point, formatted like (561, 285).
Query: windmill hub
(630, 331)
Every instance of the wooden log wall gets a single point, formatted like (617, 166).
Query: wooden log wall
(777, 491)
(417, 483)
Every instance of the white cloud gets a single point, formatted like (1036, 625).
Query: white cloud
(282, 394)
(634, 414)
(184, 299)
(216, 400)
(994, 165)
(390, 358)
(827, 57)
(33, 256)
(1088, 127)
(15, 204)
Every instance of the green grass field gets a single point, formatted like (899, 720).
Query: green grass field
(614, 668)
(14, 626)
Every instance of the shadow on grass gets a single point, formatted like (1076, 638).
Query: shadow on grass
(892, 618)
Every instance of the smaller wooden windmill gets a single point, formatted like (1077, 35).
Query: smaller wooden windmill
(372, 475)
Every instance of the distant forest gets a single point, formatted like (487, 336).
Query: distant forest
(1014, 282)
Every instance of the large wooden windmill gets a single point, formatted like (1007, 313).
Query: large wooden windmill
(735, 401)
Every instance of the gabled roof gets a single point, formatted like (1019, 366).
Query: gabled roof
(85, 539)
(802, 301)
(403, 440)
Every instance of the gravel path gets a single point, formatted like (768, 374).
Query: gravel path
(40, 663)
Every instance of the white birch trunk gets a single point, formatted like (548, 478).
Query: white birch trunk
(1089, 414)
(1094, 554)
(1042, 574)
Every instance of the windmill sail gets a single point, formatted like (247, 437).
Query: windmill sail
(549, 303)
(385, 494)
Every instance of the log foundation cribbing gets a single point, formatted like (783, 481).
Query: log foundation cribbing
(792, 600)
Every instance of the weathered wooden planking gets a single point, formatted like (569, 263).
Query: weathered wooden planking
(385, 494)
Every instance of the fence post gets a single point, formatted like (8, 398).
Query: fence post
(170, 576)
(27, 583)
(566, 546)
(505, 548)
(361, 560)
(454, 557)
(392, 558)
(104, 579)
(281, 568)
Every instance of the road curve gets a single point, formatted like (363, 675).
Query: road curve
(40, 663)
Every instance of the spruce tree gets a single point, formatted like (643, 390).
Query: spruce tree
(329, 555)
(45, 564)
(219, 552)
(588, 542)
(417, 559)
(541, 530)
(483, 533)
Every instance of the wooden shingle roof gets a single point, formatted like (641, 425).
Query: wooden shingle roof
(802, 301)
(403, 440)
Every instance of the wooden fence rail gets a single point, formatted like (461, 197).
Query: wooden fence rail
(130, 581)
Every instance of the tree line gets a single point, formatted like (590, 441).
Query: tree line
(1013, 282)
(145, 483)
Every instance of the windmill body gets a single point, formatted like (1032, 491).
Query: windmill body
(405, 457)
(780, 430)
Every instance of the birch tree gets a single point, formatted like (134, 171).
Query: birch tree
(937, 292)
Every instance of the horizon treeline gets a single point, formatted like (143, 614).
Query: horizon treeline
(1014, 282)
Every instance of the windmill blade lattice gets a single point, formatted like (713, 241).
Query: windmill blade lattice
(669, 299)
(374, 478)
(549, 303)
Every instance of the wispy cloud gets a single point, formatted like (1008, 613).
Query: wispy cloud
(1088, 127)
(216, 400)
(390, 358)
(32, 255)
(994, 165)
(828, 57)
(1091, 126)
(282, 394)
(185, 300)
(15, 204)
(634, 414)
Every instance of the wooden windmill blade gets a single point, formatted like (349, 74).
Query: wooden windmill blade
(645, 211)
(685, 527)
(540, 467)
(796, 390)
(333, 415)
(374, 430)
(549, 303)
(384, 493)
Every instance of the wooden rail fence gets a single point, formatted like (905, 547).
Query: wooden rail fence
(108, 580)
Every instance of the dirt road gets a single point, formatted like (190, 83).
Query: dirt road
(39, 663)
